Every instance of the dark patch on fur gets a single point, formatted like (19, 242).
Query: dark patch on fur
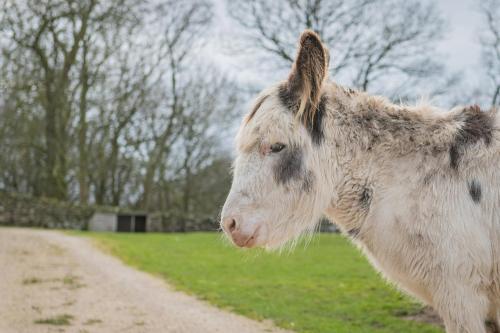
(288, 98)
(289, 165)
(454, 156)
(354, 232)
(427, 178)
(308, 183)
(477, 126)
(492, 325)
(315, 125)
(475, 190)
(416, 240)
(365, 198)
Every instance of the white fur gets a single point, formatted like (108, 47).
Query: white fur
(422, 230)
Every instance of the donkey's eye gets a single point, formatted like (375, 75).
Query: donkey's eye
(277, 147)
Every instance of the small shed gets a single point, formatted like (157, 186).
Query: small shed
(119, 222)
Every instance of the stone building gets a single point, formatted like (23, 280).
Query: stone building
(119, 221)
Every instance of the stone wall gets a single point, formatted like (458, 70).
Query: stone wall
(25, 211)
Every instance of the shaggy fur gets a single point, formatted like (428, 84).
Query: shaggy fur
(416, 188)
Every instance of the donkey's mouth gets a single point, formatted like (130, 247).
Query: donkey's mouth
(245, 240)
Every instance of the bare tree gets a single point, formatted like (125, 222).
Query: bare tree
(56, 63)
(186, 23)
(211, 111)
(54, 40)
(490, 41)
(110, 102)
(374, 43)
(115, 130)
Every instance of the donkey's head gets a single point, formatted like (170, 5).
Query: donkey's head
(275, 193)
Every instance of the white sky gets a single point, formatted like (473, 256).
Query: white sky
(461, 43)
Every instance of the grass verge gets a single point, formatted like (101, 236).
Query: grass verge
(326, 286)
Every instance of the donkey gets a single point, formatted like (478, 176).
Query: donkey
(416, 188)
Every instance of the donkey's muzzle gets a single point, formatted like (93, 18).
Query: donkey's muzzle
(239, 238)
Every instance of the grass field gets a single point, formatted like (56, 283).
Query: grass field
(326, 286)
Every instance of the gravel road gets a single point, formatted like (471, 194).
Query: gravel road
(53, 282)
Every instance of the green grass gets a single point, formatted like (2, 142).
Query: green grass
(72, 282)
(32, 280)
(92, 321)
(60, 320)
(326, 286)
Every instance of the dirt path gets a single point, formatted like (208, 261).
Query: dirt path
(51, 282)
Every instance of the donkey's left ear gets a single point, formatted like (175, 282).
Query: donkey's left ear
(310, 70)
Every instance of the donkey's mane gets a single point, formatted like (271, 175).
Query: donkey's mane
(375, 123)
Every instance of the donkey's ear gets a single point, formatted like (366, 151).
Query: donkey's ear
(303, 88)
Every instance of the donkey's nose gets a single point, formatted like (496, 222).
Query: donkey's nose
(239, 237)
(229, 224)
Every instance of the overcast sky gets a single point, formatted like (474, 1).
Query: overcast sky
(460, 45)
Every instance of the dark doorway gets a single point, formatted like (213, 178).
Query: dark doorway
(140, 223)
(124, 223)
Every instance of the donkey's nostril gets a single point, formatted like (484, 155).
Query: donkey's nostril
(231, 225)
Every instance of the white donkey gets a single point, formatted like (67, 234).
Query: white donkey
(417, 188)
